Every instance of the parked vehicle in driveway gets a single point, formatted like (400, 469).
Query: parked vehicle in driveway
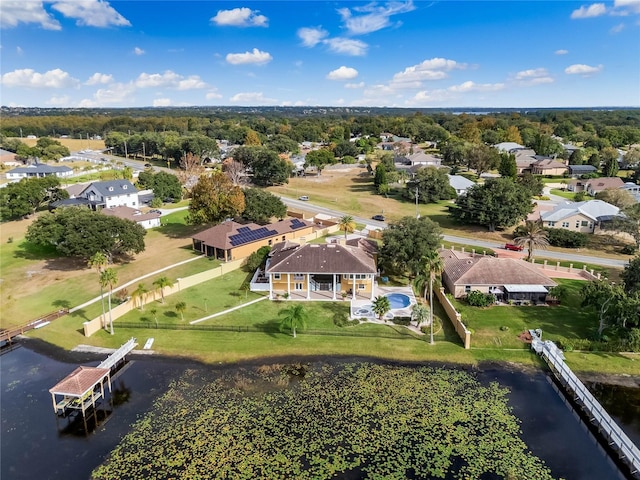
(380, 218)
(514, 247)
(304, 198)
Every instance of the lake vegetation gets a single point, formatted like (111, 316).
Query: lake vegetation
(347, 420)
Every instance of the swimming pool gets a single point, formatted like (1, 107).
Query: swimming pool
(398, 300)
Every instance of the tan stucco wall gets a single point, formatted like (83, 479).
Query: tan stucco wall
(572, 224)
(343, 286)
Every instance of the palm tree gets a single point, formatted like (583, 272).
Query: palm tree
(180, 308)
(293, 317)
(109, 278)
(161, 283)
(420, 313)
(533, 236)
(99, 261)
(381, 305)
(433, 266)
(154, 314)
(347, 224)
(141, 294)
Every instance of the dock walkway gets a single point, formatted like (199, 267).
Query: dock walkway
(608, 428)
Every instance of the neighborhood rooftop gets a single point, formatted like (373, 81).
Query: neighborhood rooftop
(594, 209)
(290, 257)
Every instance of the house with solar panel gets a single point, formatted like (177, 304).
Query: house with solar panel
(303, 271)
(231, 240)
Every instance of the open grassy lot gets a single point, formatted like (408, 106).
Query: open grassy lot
(36, 281)
(73, 144)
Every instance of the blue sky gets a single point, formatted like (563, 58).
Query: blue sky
(453, 53)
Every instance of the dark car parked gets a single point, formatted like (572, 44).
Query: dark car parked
(380, 218)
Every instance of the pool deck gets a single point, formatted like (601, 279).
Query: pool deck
(361, 309)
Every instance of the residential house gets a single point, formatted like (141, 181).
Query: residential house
(110, 193)
(581, 217)
(508, 279)
(548, 166)
(419, 158)
(524, 159)
(231, 240)
(633, 189)
(146, 220)
(38, 170)
(8, 159)
(460, 184)
(303, 271)
(597, 185)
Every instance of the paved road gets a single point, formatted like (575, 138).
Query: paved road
(562, 256)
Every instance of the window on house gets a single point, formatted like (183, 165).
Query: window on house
(284, 237)
(584, 223)
(270, 242)
(565, 224)
(298, 276)
(298, 286)
(552, 224)
(577, 223)
(467, 289)
(361, 286)
(276, 276)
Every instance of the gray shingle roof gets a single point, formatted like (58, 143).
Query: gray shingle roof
(112, 188)
(593, 209)
(40, 168)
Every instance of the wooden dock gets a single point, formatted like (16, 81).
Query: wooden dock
(116, 357)
(628, 452)
(6, 336)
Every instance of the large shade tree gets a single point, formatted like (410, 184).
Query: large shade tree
(261, 206)
(498, 203)
(80, 232)
(215, 198)
(406, 242)
(19, 199)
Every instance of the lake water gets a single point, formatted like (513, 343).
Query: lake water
(32, 445)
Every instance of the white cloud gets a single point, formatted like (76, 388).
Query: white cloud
(372, 17)
(15, 12)
(138, 51)
(212, 95)
(251, 98)
(561, 52)
(534, 76)
(62, 101)
(118, 94)
(240, 17)
(432, 69)
(255, 57)
(161, 102)
(470, 86)
(581, 69)
(311, 36)
(28, 77)
(342, 73)
(91, 13)
(346, 46)
(354, 85)
(617, 28)
(630, 6)
(19, 50)
(99, 78)
(169, 79)
(593, 10)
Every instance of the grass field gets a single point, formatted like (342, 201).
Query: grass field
(73, 144)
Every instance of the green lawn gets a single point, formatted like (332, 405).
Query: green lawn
(563, 193)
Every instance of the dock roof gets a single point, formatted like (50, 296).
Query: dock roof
(80, 381)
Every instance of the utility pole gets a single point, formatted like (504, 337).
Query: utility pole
(417, 213)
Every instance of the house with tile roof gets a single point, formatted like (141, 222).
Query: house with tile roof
(597, 185)
(548, 166)
(231, 240)
(329, 271)
(581, 217)
(509, 279)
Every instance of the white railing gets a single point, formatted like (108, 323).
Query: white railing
(119, 354)
(616, 437)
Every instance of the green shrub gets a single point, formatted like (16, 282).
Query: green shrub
(342, 320)
(476, 298)
(401, 320)
(559, 237)
(155, 202)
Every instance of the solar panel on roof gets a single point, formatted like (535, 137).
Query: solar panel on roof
(244, 229)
